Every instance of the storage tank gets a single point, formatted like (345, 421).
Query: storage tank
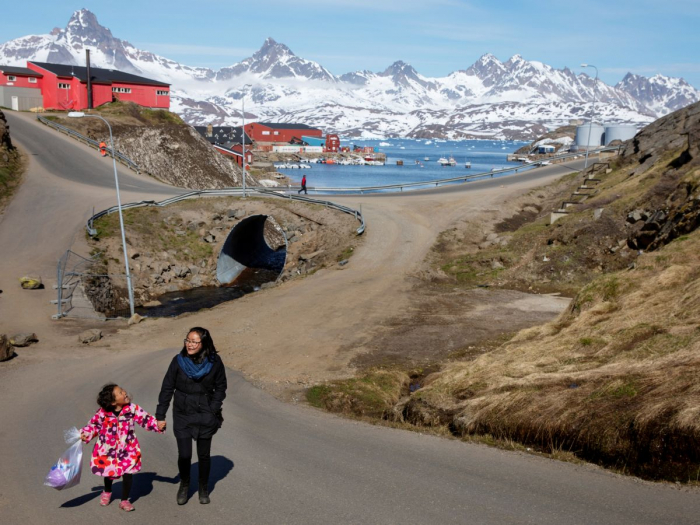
(619, 132)
(596, 136)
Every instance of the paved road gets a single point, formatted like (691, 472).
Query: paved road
(280, 463)
(273, 462)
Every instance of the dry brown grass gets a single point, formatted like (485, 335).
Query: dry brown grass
(615, 380)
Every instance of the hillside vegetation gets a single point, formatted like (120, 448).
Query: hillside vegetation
(615, 379)
(161, 144)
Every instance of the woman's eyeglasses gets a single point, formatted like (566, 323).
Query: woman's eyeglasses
(192, 343)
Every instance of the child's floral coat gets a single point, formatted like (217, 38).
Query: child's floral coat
(117, 451)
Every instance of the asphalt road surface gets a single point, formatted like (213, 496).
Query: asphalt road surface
(272, 462)
(280, 463)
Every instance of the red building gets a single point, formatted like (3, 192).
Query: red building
(268, 132)
(65, 87)
(20, 77)
(332, 143)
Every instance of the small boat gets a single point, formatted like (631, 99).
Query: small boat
(447, 162)
(467, 164)
(426, 159)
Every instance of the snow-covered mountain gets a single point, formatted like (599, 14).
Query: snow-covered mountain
(512, 99)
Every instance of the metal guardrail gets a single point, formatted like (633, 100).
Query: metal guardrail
(230, 192)
(452, 180)
(120, 157)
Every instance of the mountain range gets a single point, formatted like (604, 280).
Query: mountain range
(516, 99)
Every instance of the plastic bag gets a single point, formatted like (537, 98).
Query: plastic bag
(66, 472)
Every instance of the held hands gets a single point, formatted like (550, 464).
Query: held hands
(161, 425)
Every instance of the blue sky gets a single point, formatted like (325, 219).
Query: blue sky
(434, 36)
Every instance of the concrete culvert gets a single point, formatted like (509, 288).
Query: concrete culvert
(256, 242)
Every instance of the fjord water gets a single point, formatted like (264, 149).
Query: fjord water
(484, 156)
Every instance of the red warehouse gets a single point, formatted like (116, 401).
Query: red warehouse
(65, 87)
(19, 88)
(20, 77)
(274, 132)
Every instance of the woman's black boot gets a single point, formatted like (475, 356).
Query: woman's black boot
(183, 491)
(204, 493)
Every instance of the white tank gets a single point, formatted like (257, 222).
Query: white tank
(596, 136)
(619, 132)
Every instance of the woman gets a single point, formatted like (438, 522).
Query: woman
(198, 379)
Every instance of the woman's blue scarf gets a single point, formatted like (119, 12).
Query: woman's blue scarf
(193, 370)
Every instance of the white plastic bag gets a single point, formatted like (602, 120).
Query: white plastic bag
(66, 472)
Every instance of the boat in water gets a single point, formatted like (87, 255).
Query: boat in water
(447, 162)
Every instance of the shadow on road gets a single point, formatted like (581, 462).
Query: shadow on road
(220, 468)
(143, 486)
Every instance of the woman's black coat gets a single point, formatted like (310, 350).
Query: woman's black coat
(197, 403)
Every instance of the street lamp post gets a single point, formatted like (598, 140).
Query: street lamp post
(590, 121)
(80, 114)
(243, 140)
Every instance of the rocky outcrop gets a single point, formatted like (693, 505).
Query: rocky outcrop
(179, 156)
(5, 141)
(673, 203)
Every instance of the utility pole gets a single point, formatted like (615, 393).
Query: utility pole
(243, 142)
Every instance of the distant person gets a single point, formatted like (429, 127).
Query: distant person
(303, 185)
(197, 378)
(117, 453)
(103, 149)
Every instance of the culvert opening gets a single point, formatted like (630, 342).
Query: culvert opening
(253, 254)
(256, 245)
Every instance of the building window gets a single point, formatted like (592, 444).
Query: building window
(161, 92)
(121, 90)
(11, 78)
(276, 132)
(61, 85)
(32, 80)
(265, 132)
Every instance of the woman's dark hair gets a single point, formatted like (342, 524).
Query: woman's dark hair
(106, 396)
(207, 349)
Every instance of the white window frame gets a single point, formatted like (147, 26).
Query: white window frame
(32, 80)
(11, 78)
(162, 93)
(265, 133)
(63, 85)
(121, 90)
(276, 133)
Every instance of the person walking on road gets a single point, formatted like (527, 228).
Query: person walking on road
(303, 185)
(117, 453)
(103, 148)
(197, 379)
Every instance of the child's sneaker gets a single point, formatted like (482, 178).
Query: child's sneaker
(125, 505)
(105, 498)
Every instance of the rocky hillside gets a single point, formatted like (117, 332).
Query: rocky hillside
(162, 145)
(10, 165)
(614, 380)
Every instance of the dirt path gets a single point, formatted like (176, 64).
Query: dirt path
(313, 329)
(302, 332)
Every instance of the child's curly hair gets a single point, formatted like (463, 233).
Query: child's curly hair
(106, 396)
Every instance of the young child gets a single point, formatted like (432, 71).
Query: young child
(117, 452)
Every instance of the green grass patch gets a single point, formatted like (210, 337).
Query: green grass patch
(368, 395)
(346, 253)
